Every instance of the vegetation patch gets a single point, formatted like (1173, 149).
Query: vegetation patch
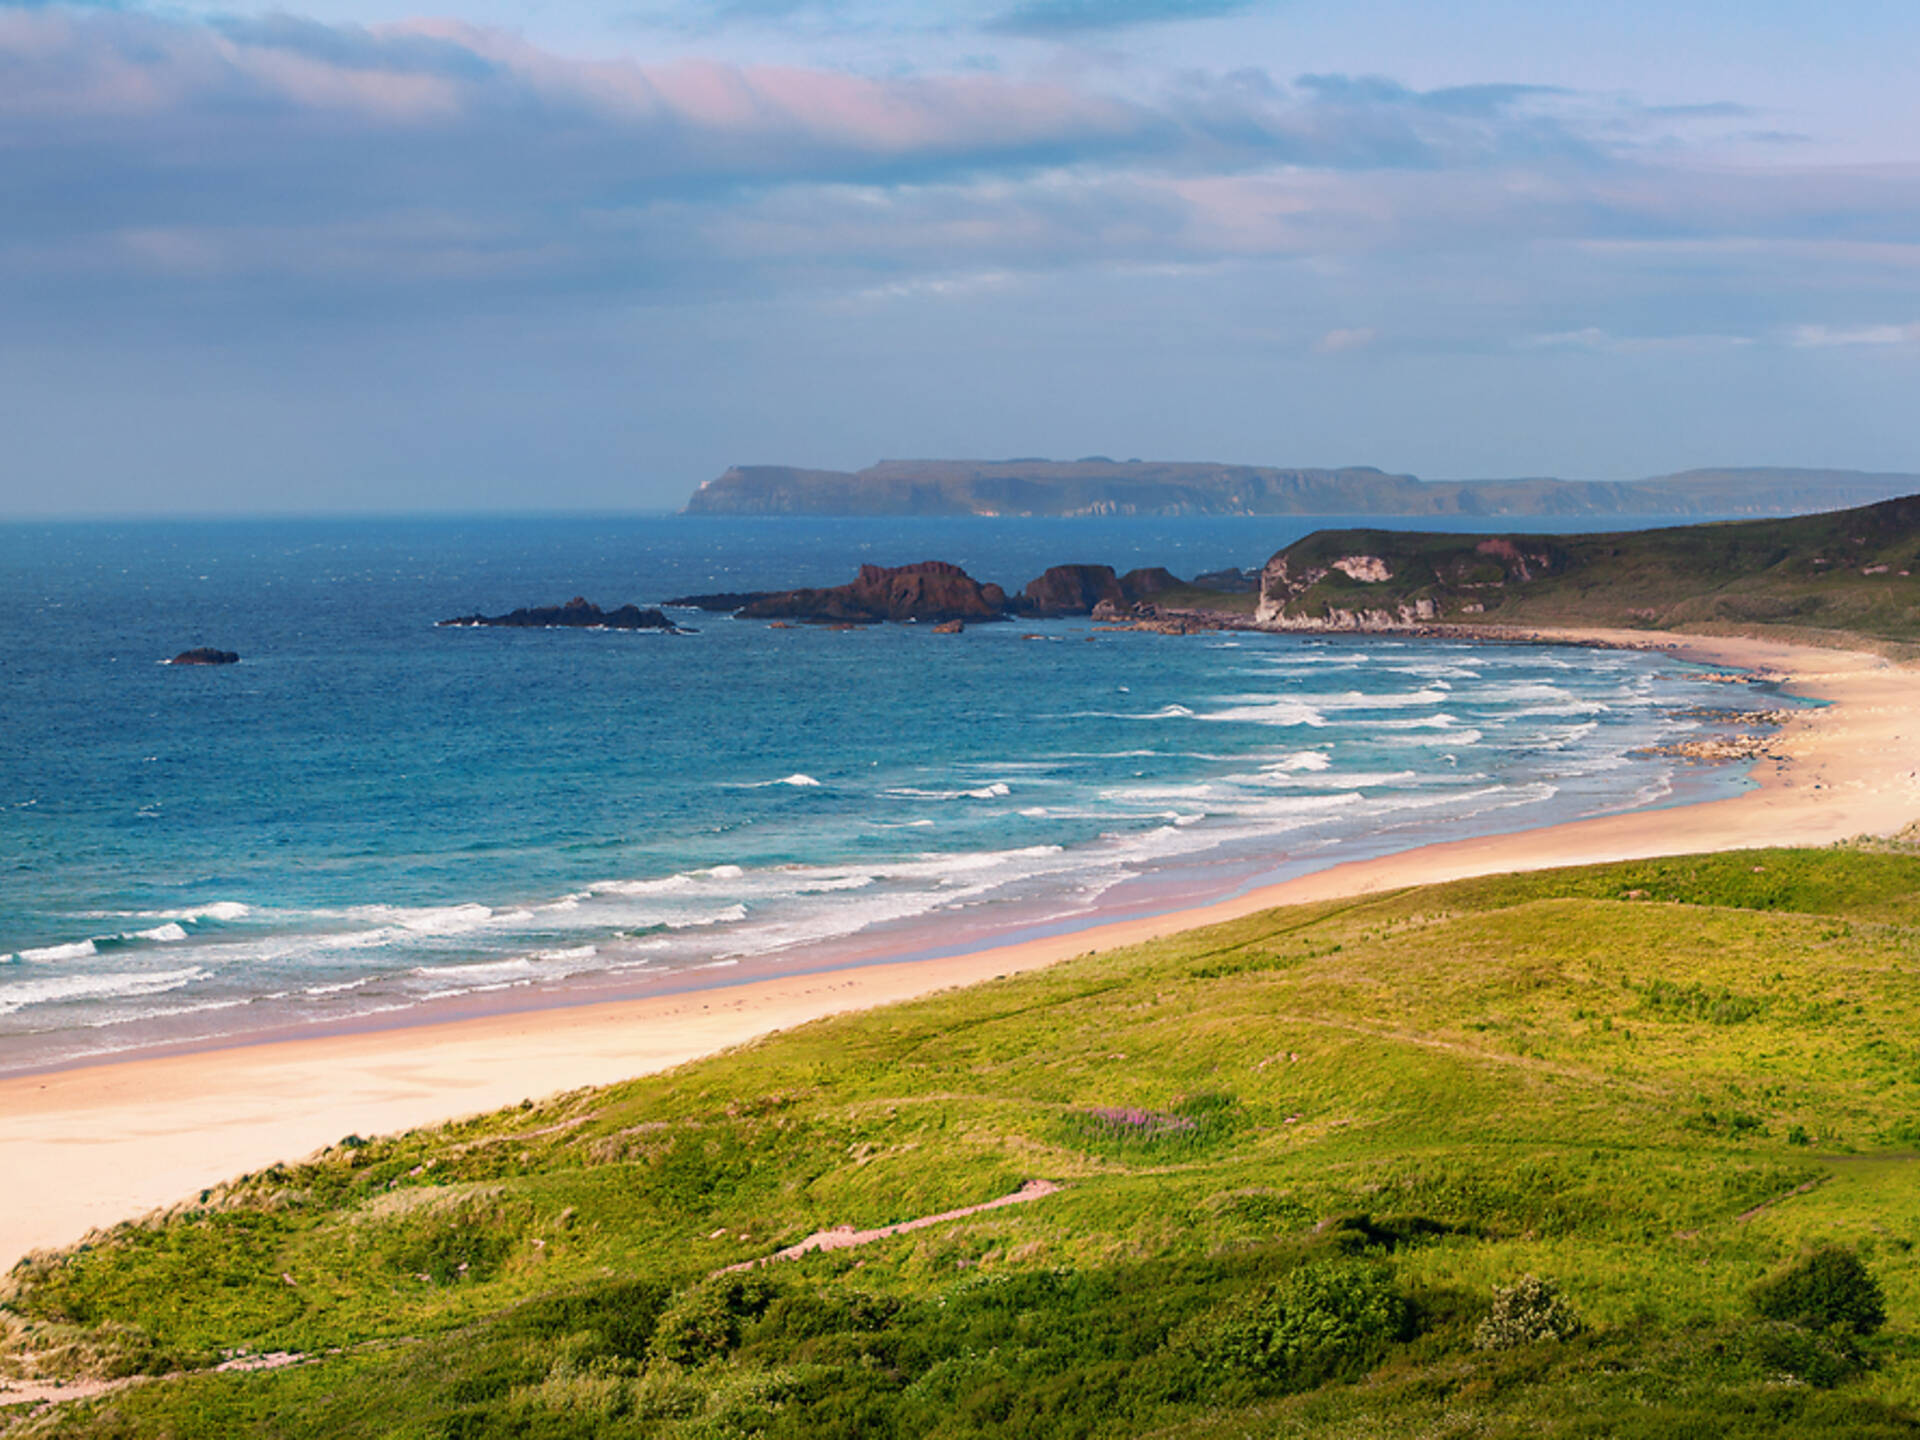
(1310, 1165)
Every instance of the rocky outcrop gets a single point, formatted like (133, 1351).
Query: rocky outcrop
(950, 627)
(1079, 589)
(1341, 617)
(1071, 590)
(1286, 580)
(929, 592)
(722, 602)
(1137, 585)
(1387, 580)
(576, 614)
(205, 655)
(1368, 569)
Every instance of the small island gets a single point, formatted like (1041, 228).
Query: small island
(205, 655)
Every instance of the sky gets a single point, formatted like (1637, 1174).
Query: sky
(359, 256)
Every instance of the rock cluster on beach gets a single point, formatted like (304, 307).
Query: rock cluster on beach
(576, 614)
(1715, 749)
(205, 655)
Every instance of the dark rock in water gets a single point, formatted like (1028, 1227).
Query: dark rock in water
(1137, 585)
(1071, 590)
(721, 602)
(203, 655)
(576, 614)
(930, 591)
(950, 627)
(1077, 589)
(1228, 582)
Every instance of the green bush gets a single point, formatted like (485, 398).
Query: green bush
(1322, 1319)
(705, 1322)
(1356, 1234)
(621, 1317)
(1524, 1313)
(1828, 1288)
(1819, 1359)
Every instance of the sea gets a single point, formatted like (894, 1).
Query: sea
(371, 820)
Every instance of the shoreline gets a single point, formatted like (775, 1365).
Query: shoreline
(111, 1141)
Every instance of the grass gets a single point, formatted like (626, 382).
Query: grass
(1655, 1085)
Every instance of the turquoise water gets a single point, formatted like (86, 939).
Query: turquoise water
(369, 815)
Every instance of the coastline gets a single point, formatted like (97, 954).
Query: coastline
(111, 1141)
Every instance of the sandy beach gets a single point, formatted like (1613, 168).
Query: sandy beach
(85, 1147)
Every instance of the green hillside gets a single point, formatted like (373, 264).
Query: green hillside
(1298, 1153)
(1847, 571)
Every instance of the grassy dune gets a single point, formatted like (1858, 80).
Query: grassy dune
(1299, 1153)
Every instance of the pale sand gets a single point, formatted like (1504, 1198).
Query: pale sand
(86, 1147)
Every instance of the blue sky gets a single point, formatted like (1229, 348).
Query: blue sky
(537, 255)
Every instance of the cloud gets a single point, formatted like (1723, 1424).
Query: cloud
(1335, 342)
(1048, 18)
(1827, 336)
(225, 173)
(1600, 341)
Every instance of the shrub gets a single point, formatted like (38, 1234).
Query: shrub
(705, 1322)
(1356, 1234)
(1524, 1313)
(1822, 1360)
(1828, 1288)
(1321, 1319)
(620, 1317)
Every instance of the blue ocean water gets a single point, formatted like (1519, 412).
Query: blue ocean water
(369, 815)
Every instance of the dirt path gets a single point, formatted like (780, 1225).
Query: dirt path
(51, 1392)
(845, 1237)
(1765, 1205)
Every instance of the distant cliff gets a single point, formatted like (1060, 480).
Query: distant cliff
(1098, 486)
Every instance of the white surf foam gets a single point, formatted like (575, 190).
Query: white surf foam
(1436, 737)
(998, 790)
(1299, 760)
(93, 987)
(1264, 710)
(1436, 693)
(77, 950)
